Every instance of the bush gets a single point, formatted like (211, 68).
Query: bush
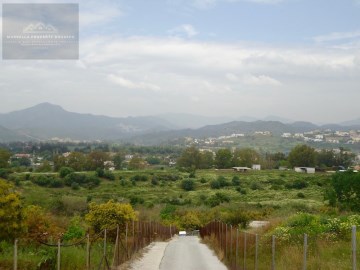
(136, 200)
(64, 171)
(137, 178)
(188, 184)
(297, 184)
(154, 181)
(235, 180)
(82, 180)
(217, 199)
(220, 182)
(203, 180)
(100, 172)
(75, 186)
(255, 186)
(109, 175)
(300, 195)
(4, 173)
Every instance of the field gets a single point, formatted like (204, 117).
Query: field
(274, 190)
(235, 198)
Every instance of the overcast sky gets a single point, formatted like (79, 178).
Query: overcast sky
(298, 59)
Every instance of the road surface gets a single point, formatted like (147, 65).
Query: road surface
(181, 253)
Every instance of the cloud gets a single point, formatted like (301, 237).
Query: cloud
(145, 75)
(98, 15)
(130, 84)
(185, 29)
(255, 80)
(337, 36)
(205, 4)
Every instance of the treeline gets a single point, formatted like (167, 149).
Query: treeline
(301, 155)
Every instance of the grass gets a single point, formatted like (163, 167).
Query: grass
(265, 194)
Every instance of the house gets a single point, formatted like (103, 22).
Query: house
(241, 169)
(304, 169)
(256, 167)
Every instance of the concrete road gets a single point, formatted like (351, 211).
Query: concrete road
(187, 253)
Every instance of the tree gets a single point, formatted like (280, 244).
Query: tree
(190, 221)
(223, 159)
(108, 215)
(137, 163)
(64, 171)
(346, 186)
(39, 224)
(118, 160)
(245, 157)
(4, 158)
(302, 156)
(190, 158)
(11, 216)
(206, 160)
(326, 158)
(96, 160)
(77, 161)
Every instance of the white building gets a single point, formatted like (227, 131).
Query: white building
(256, 167)
(304, 169)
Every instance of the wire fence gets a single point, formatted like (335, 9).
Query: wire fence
(241, 250)
(106, 250)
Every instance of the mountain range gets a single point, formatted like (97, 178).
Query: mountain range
(46, 121)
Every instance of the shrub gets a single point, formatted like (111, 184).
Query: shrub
(217, 199)
(255, 186)
(110, 214)
(137, 178)
(109, 175)
(64, 171)
(300, 195)
(297, 184)
(235, 180)
(188, 184)
(154, 181)
(136, 200)
(203, 180)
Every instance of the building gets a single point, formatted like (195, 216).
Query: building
(304, 169)
(241, 169)
(256, 167)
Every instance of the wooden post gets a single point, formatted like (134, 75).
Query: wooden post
(231, 240)
(237, 248)
(245, 240)
(305, 251)
(59, 255)
(15, 254)
(353, 238)
(105, 243)
(273, 253)
(256, 251)
(88, 252)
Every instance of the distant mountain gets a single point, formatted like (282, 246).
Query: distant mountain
(183, 120)
(278, 118)
(355, 122)
(45, 121)
(7, 135)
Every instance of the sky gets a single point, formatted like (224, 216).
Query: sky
(298, 59)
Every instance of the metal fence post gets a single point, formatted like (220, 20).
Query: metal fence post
(353, 238)
(256, 251)
(273, 253)
(237, 248)
(305, 251)
(231, 240)
(15, 254)
(58, 255)
(245, 240)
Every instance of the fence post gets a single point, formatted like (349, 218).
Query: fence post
(245, 240)
(256, 251)
(226, 245)
(15, 254)
(273, 253)
(305, 251)
(88, 252)
(353, 238)
(105, 243)
(58, 255)
(231, 240)
(237, 248)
